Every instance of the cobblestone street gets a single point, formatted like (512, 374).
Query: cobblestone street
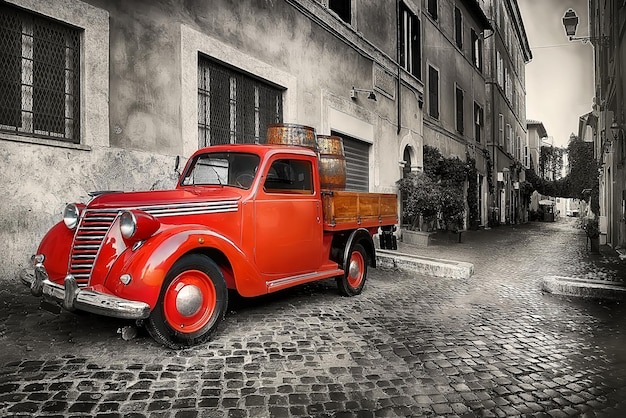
(492, 345)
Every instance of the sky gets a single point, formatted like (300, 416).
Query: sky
(559, 78)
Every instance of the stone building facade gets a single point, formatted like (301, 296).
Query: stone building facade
(115, 94)
(607, 30)
(455, 76)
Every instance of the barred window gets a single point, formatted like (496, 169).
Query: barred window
(234, 107)
(39, 76)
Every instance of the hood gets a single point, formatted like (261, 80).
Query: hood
(157, 201)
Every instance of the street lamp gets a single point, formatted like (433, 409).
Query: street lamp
(570, 23)
(616, 128)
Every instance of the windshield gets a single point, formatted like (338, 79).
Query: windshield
(224, 169)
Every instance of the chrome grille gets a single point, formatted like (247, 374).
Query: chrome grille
(88, 239)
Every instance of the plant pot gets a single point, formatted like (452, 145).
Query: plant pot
(417, 238)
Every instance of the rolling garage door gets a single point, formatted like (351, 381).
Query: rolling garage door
(357, 163)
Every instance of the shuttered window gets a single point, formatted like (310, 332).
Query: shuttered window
(357, 163)
(459, 111)
(478, 122)
(458, 27)
(410, 54)
(433, 92)
(233, 107)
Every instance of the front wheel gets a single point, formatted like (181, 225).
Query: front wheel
(192, 303)
(353, 279)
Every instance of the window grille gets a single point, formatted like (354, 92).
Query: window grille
(234, 107)
(39, 76)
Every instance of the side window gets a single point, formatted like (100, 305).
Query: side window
(290, 176)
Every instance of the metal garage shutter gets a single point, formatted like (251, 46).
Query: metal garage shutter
(357, 163)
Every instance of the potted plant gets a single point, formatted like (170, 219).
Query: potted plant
(452, 210)
(592, 231)
(420, 205)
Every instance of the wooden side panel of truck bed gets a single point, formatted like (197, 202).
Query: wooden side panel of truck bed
(350, 210)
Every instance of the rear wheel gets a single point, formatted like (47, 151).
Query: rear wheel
(191, 305)
(353, 279)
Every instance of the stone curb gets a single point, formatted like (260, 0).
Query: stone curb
(424, 265)
(584, 288)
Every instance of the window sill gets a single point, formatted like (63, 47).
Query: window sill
(42, 141)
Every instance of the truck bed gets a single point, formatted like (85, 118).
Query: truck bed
(350, 210)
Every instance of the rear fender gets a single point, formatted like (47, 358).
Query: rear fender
(148, 265)
(359, 236)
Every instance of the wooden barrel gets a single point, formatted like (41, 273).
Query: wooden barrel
(291, 134)
(332, 162)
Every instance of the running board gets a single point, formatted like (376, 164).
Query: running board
(286, 282)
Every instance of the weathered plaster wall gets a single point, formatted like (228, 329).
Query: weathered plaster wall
(42, 180)
(144, 78)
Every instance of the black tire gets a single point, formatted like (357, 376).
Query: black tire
(192, 303)
(355, 275)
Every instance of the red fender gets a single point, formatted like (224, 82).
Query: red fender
(148, 265)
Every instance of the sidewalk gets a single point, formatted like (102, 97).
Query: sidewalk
(574, 259)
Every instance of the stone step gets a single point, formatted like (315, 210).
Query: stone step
(586, 288)
(424, 265)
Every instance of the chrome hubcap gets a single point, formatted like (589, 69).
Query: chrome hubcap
(188, 300)
(354, 268)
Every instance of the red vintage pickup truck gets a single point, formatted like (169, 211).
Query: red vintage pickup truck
(251, 218)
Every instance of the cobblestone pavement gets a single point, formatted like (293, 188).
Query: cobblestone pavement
(492, 345)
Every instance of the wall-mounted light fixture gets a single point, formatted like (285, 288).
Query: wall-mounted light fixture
(570, 22)
(420, 100)
(353, 93)
(617, 130)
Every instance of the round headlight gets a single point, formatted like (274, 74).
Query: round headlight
(71, 214)
(128, 224)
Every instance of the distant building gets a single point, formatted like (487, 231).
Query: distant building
(506, 131)
(455, 77)
(536, 135)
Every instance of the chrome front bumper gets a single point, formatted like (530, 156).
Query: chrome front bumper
(72, 297)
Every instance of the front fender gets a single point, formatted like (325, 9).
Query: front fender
(148, 265)
(56, 246)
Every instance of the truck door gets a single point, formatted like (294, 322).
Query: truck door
(288, 224)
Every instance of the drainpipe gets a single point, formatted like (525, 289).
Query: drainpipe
(398, 48)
